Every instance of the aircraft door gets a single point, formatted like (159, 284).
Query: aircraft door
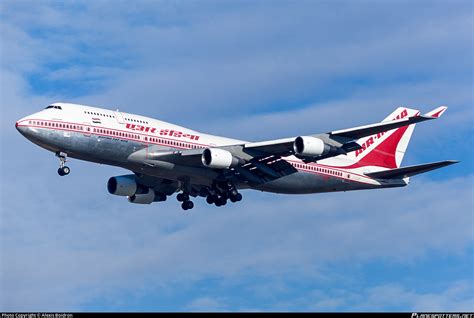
(87, 129)
(119, 117)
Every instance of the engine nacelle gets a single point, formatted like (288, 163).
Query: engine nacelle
(145, 198)
(122, 185)
(310, 146)
(218, 158)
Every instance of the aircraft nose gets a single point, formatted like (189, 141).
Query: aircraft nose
(20, 127)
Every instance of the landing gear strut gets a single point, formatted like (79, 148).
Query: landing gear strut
(63, 169)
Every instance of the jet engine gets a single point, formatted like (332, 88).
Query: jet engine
(145, 198)
(122, 185)
(310, 146)
(218, 158)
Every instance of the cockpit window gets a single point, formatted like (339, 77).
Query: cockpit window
(53, 106)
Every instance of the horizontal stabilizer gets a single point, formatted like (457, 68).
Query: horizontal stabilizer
(400, 173)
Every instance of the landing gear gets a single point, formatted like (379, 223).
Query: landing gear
(220, 193)
(236, 198)
(211, 198)
(182, 197)
(187, 204)
(63, 169)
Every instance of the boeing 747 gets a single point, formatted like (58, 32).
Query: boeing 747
(166, 159)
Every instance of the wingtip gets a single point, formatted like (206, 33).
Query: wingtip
(437, 113)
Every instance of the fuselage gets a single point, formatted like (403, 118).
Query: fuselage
(110, 137)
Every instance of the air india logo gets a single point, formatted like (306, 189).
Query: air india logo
(372, 139)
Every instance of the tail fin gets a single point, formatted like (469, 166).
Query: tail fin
(386, 149)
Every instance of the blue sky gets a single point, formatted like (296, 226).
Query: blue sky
(253, 70)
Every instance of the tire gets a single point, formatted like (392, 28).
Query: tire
(189, 205)
(60, 172)
(184, 206)
(210, 199)
(66, 170)
(180, 197)
(222, 201)
(238, 197)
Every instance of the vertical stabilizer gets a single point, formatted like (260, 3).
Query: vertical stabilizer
(386, 149)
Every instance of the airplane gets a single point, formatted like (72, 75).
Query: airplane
(166, 159)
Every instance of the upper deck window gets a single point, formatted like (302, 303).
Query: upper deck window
(53, 106)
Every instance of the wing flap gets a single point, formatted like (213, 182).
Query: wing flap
(261, 170)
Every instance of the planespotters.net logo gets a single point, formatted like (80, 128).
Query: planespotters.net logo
(416, 315)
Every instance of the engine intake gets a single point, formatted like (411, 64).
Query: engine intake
(310, 146)
(218, 158)
(122, 185)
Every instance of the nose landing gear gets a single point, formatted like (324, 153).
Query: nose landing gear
(63, 169)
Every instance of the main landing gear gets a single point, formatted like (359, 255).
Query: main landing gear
(187, 203)
(219, 194)
(63, 169)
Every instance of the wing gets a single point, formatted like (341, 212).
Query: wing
(343, 139)
(248, 169)
(260, 162)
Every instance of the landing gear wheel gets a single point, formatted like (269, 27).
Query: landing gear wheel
(210, 199)
(187, 205)
(182, 197)
(221, 201)
(64, 171)
(238, 197)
